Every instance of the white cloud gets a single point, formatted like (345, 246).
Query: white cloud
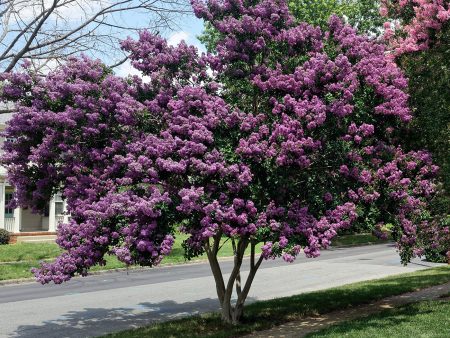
(72, 11)
(126, 69)
(177, 37)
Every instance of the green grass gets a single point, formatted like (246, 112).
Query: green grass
(266, 314)
(17, 270)
(16, 260)
(28, 252)
(424, 319)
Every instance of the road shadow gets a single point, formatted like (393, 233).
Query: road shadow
(92, 322)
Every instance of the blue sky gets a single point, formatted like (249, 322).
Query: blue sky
(189, 28)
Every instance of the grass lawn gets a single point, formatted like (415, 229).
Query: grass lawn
(16, 260)
(424, 319)
(266, 314)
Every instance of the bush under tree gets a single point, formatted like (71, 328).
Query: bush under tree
(4, 237)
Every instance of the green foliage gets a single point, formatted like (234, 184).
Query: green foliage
(4, 237)
(429, 83)
(356, 240)
(209, 37)
(362, 14)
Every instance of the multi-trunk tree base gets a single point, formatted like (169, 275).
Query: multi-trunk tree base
(232, 313)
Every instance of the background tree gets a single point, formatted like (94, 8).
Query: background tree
(361, 14)
(414, 25)
(283, 136)
(420, 42)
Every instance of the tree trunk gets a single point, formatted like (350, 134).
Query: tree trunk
(232, 313)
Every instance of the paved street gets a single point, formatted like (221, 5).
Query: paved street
(95, 305)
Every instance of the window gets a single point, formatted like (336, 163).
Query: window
(47, 210)
(59, 208)
(59, 205)
(9, 212)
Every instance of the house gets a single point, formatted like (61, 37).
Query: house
(21, 222)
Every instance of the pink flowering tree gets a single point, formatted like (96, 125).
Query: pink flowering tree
(418, 36)
(413, 24)
(283, 136)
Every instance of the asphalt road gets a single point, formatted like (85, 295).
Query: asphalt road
(95, 305)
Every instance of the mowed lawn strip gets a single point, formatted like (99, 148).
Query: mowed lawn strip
(28, 252)
(16, 260)
(423, 319)
(266, 314)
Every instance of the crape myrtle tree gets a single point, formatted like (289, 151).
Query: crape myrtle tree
(420, 42)
(414, 25)
(282, 136)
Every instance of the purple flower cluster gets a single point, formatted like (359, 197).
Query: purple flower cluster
(283, 136)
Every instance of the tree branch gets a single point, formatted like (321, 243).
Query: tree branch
(49, 32)
(238, 277)
(33, 35)
(216, 271)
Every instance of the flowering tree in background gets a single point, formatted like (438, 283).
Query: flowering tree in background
(417, 23)
(361, 14)
(283, 136)
(420, 44)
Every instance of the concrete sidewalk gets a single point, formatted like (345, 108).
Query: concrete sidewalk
(301, 328)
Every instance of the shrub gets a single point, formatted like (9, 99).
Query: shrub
(4, 236)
